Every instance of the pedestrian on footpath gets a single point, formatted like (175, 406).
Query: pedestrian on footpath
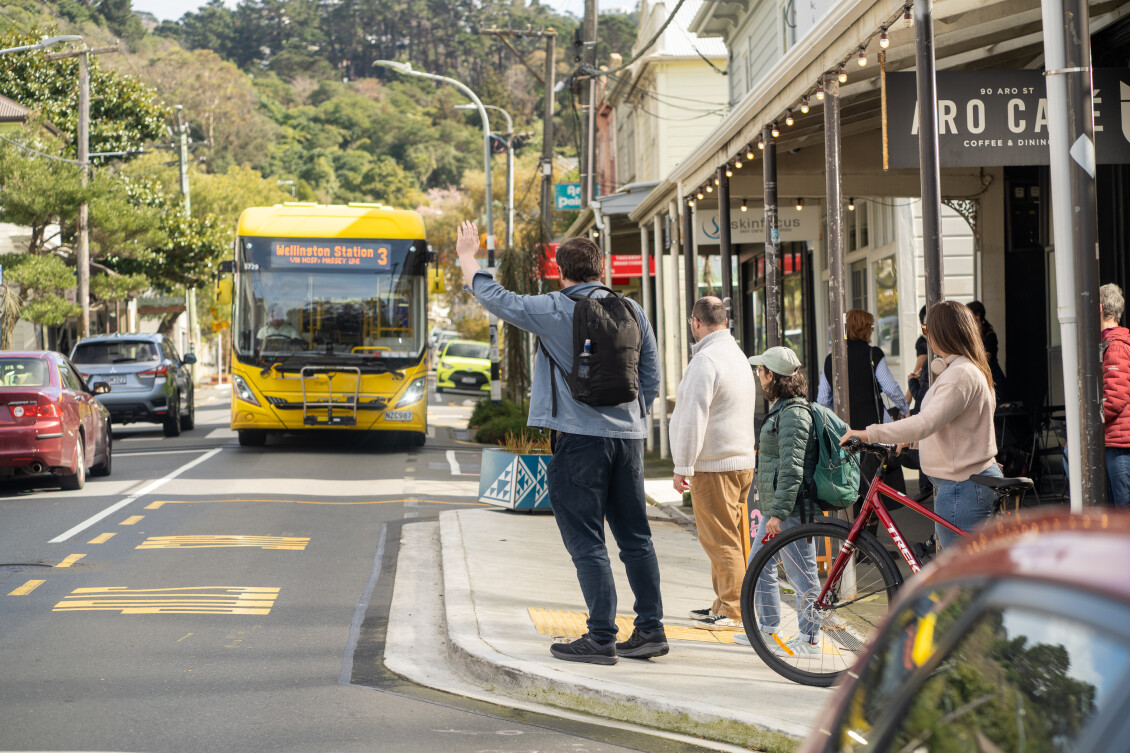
(955, 426)
(596, 473)
(712, 444)
(1116, 395)
(786, 459)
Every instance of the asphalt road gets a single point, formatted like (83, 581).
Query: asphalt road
(209, 597)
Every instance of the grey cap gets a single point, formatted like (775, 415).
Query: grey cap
(780, 360)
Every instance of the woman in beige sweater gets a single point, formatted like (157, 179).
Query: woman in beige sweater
(954, 429)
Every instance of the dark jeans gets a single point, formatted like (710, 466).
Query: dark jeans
(593, 479)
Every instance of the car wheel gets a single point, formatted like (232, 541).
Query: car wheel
(252, 437)
(172, 419)
(72, 482)
(104, 468)
(188, 420)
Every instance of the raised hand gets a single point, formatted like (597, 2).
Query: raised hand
(467, 239)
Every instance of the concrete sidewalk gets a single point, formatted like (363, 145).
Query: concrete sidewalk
(497, 588)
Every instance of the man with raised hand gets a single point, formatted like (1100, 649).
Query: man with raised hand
(596, 473)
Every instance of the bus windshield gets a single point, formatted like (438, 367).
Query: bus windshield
(357, 301)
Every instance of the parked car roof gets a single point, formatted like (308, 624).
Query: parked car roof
(122, 336)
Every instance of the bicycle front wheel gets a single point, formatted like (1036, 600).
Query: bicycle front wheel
(800, 640)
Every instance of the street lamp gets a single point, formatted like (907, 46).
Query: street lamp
(408, 70)
(43, 44)
(509, 169)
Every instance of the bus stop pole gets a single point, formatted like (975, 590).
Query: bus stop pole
(832, 166)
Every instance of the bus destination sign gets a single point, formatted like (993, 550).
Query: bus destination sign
(337, 254)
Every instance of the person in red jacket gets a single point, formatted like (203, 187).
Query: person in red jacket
(1116, 395)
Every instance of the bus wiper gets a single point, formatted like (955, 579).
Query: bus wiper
(266, 370)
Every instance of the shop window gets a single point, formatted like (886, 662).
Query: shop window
(887, 305)
(861, 209)
(849, 230)
(858, 274)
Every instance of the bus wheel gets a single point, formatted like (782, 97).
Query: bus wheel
(418, 439)
(252, 437)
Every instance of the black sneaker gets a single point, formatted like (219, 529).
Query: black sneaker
(644, 646)
(585, 649)
(698, 614)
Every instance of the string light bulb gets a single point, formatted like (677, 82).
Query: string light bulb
(862, 59)
(716, 180)
(744, 207)
(737, 164)
(691, 203)
(820, 91)
(789, 118)
(907, 19)
(842, 75)
(709, 188)
(700, 193)
(884, 40)
(851, 204)
(760, 144)
(799, 204)
(749, 154)
(729, 172)
(804, 104)
(774, 131)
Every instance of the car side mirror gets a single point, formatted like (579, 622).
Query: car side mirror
(190, 358)
(101, 388)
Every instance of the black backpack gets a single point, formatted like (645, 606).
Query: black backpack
(609, 374)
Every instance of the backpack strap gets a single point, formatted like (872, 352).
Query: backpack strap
(552, 377)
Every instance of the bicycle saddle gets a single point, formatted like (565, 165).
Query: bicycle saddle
(1002, 485)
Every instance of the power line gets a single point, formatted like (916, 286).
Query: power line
(592, 73)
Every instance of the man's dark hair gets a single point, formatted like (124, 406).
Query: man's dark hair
(580, 260)
(710, 311)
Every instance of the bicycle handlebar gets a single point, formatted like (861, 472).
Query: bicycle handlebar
(855, 444)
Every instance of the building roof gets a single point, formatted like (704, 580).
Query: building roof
(11, 111)
(679, 41)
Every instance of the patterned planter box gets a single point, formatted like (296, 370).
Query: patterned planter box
(514, 481)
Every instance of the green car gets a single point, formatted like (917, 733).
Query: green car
(464, 365)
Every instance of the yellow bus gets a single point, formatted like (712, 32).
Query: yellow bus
(329, 321)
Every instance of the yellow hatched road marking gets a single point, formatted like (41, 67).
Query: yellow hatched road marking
(159, 503)
(102, 538)
(181, 600)
(131, 520)
(27, 588)
(207, 542)
(70, 560)
(564, 624)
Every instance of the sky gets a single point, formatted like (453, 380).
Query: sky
(173, 9)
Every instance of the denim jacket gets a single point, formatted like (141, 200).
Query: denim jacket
(550, 317)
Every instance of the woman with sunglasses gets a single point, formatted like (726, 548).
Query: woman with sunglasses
(955, 426)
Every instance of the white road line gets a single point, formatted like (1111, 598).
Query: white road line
(455, 469)
(139, 493)
(132, 454)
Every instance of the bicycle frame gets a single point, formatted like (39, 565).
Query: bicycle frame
(873, 504)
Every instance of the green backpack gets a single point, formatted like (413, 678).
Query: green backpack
(836, 475)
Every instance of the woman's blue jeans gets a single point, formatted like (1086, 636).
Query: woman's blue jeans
(799, 561)
(966, 504)
(1118, 476)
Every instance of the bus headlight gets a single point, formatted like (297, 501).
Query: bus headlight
(414, 392)
(242, 391)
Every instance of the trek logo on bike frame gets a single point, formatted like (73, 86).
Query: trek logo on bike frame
(896, 536)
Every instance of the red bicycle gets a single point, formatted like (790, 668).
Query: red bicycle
(813, 594)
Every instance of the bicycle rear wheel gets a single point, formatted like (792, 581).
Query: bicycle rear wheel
(798, 640)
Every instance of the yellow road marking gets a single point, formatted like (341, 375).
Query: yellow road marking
(27, 588)
(131, 520)
(156, 505)
(70, 560)
(181, 639)
(102, 538)
(181, 600)
(206, 542)
(558, 622)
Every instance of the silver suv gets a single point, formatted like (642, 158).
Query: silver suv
(149, 380)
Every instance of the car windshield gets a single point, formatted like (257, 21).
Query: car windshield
(23, 372)
(468, 350)
(118, 351)
(371, 311)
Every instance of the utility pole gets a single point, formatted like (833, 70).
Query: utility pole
(189, 292)
(547, 136)
(1071, 137)
(588, 55)
(82, 260)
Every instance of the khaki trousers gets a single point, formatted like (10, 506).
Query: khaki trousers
(717, 501)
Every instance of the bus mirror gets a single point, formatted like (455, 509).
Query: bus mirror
(223, 292)
(436, 282)
(227, 267)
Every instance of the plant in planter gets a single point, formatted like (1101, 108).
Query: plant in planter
(513, 475)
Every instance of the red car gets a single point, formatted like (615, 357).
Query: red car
(50, 421)
(1019, 640)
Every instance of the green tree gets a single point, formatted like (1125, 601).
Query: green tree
(34, 289)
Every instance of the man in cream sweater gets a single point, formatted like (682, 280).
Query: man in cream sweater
(712, 443)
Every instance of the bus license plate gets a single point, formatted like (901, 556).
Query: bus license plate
(398, 415)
